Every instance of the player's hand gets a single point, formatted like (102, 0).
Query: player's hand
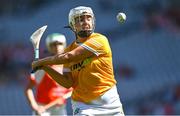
(40, 110)
(36, 65)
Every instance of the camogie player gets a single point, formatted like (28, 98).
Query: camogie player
(88, 68)
(47, 90)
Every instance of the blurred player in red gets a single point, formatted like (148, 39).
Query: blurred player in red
(47, 90)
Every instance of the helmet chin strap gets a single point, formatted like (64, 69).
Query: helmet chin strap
(84, 34)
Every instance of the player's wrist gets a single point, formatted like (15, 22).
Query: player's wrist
(35, 107)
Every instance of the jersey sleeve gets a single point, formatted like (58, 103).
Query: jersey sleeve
(32, 78)
(98, 45)
(37, 76)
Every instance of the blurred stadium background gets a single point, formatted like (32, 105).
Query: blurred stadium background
(146, 49)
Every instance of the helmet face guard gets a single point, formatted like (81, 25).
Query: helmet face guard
(85, 33)
(74, 17)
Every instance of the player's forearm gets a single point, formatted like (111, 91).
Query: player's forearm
(57, 59)
(31, 99)
(68, 57)
(63, 80)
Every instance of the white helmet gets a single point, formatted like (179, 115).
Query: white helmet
(79, 11)
(55, 37)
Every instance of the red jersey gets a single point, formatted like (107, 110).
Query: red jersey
(47, 90)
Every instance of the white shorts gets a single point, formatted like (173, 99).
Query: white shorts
(107, 104)
(55, 110)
